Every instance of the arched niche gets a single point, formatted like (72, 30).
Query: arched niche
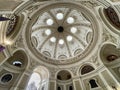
(64, 75)
(86, 69)
(18, 60)
(59, 88)
(34, 81)
(110, 56)
(70, 87)
(109, 53)
(39, 79)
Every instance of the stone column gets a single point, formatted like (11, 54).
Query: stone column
(76, 84)
(110, 79)
(21, 83)
(52, 85)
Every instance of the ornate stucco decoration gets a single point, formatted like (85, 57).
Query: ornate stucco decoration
(62, 32)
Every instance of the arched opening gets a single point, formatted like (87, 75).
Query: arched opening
(39, 79)
(110, 56)
(18, 60)
(63, 75)
(70, 87)
(58, 88)
(86, 69)
(93, 83)
(109, 53)
(34, 81)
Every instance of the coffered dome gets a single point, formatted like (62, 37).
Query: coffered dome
(62, 31)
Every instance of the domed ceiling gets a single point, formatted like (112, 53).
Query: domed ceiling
(62, 31)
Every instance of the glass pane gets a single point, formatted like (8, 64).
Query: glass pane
(34, 82)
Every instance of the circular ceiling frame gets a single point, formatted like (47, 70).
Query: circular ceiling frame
(89, 15)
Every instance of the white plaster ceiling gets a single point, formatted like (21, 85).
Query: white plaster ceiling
(68, 43)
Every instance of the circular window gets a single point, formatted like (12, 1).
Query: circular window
(73, 29)
(17, 63)
(6, 78)
(111, 58)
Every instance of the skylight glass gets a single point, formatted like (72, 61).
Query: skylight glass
(17, 62)
(53, 39)
(49, 21)
(48, 32)
(59, 16)
(34, 82)
(70, 20)
(69, 38)
(73, 29)
(61, 41)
